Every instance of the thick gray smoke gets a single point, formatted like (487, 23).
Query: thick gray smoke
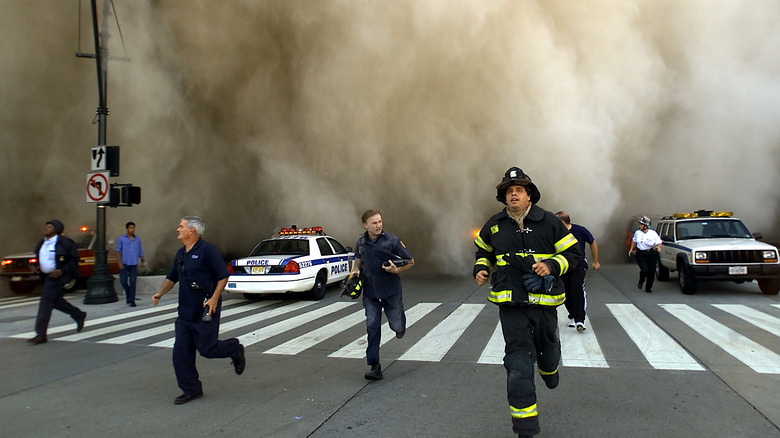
(256, 115)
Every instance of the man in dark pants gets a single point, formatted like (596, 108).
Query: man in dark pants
(528, 249)
(128, 251)
(574, 280)
(202, 275)
(58, 260)
(375, 253)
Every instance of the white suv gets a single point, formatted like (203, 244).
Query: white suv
(706, 245)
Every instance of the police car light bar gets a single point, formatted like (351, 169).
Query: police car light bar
(704, 213)
(294, 230)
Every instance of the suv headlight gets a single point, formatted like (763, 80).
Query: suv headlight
(770, 256)
(701, 257)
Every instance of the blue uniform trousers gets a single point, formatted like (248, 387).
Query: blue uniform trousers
(394, 310)
(192, 336)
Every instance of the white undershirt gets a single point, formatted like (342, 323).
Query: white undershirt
(47, 258)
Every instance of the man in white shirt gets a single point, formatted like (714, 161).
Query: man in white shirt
(58, 260)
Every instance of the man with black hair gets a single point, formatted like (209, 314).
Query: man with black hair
(58, 261)
(527, 248)
(128, 251)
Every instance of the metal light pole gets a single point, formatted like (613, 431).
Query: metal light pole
(100, 286)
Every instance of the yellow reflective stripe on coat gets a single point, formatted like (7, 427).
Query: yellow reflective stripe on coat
(481, 244)
(546, 300)
(562, 263)
(505, 296)
(502, 296)
(530, 411)
(547, 373)
(484, 262)
(567, 242)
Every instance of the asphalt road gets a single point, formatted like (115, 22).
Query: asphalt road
(660, 364)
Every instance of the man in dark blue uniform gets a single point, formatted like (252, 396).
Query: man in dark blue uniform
(58, 261)
(376, 255)
(202, 275)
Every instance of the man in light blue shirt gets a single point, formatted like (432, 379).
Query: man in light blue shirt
(128, 252)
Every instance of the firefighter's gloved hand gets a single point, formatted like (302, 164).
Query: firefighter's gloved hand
(535, 283)
(549, 280)
(532, 282)
(523, 264)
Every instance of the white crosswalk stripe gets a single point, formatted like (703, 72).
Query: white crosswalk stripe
(327, 325)
(357, 349)
(433, 346)
(663, 352)
(579, 349)
(751, 353)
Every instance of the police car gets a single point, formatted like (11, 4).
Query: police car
(296, 260)
(707, 245)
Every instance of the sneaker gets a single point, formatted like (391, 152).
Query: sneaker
(571, 322)
(551, 380)
(375, 373)
(580, 326)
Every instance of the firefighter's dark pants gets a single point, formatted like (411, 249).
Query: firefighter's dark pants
(646, 259)
(529, 334)
(192, 336)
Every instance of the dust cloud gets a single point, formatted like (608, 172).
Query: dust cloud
(256, 115)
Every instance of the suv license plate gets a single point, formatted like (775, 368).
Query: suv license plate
(737, 270)
(261, 270)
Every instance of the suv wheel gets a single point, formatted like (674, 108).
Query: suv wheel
(686, 279)
(661, 272)
(769, 286)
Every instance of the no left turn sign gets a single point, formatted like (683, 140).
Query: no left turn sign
(97, 187)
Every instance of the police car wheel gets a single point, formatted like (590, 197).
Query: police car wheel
(318, 290)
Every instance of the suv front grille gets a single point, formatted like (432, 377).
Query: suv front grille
(736, 256)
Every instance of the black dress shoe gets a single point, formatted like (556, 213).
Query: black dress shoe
(375, 373)
(37, 340)
(131, 303)
(80, 322)
(400, 334)
(239, 362)
(185, 398)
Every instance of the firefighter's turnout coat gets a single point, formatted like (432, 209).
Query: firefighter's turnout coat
(544, 237)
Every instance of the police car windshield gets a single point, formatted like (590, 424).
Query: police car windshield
(712, 229)
(281, 247)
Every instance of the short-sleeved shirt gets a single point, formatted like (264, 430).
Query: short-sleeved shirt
(583, 236)
(645, 241)
(130, 249)
(197, 271)
(379, 283)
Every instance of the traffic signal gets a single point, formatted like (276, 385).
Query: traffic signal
(123, 195)
(131, 195)
(112, 160)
